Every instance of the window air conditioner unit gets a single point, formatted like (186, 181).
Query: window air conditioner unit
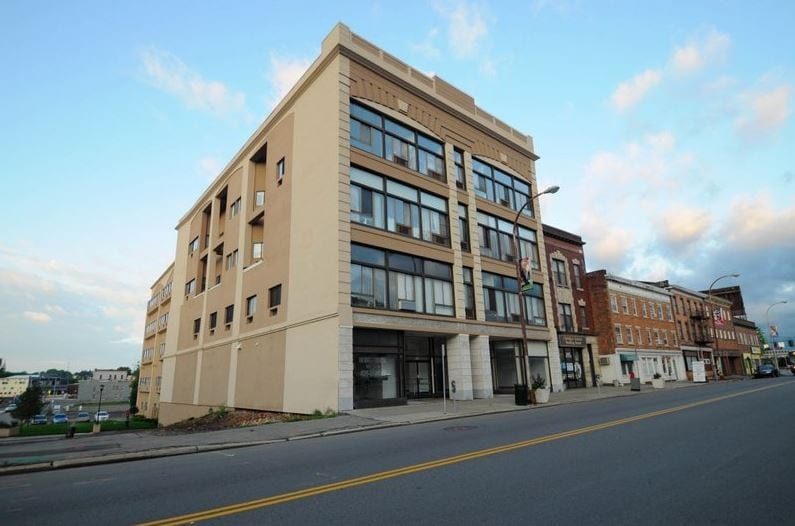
(403, 229)
(604, 360)
(516, 317)
(408, 305)
(435, 175)
(436, 238)
(505, 202)
(400, 160)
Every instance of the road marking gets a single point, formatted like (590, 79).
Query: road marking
(92, 481)
(433, 464)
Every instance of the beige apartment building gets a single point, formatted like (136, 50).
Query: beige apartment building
(357, 251)
(155, 331)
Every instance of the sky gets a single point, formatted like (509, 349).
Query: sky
(668, 127)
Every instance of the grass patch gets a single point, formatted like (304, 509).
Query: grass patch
(85, 427)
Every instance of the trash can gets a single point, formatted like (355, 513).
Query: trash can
(520, 394)
(70, 433)
(634, 384)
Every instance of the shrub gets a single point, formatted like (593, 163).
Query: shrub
(539, 382)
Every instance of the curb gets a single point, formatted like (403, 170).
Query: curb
(206, 448)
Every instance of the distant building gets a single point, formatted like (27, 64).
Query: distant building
(112, 391)
(14, 385)
(636, 329)
(155, 333)
(104, 375)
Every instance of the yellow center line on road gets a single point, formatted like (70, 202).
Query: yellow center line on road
(425, 466)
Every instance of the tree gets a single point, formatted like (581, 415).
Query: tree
(134, 388)
(83, 375)
(761, 335)
(29, 404)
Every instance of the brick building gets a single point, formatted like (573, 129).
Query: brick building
(577, 342)
(635, 329)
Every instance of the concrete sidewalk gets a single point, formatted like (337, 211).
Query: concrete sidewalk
(26, 454)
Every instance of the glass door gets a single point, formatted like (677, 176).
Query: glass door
(418, 378)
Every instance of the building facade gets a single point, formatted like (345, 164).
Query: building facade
(357, 251)
(154, 347)
(693, 328)
(13, 386)
(635, 329)
(111, 390)
(578, 345)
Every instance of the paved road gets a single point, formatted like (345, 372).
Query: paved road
(718, 454)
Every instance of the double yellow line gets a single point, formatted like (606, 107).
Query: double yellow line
(425, 466)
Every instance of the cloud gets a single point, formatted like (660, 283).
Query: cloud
(208, 167)
(681, 226)
(38, 317)
(700, 54)
(765, 112)
(283, 74)
(428, 48)
(102, 292)
(630, 93)
(754, 222)
(467, 27)
(168, 73)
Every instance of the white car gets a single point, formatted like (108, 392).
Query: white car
(9, 408)
(101, 416)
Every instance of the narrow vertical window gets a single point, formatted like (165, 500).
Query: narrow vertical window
(251, 307)
(280, 170)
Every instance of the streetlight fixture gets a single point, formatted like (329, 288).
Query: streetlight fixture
(770, 331)
(520, 285)
(99, 407)
(712, 315)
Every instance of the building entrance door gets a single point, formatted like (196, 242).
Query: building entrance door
(418, 378)
(571, 367)
(423, 366)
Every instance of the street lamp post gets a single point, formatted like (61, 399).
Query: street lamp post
(770, 331)
(99, 407)
(520, 282)
(712, 315)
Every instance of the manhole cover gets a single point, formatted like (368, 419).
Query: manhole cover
(460, 428)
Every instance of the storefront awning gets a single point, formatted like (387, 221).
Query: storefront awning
(627, 357)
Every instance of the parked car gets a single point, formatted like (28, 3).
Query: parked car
(766, 370)
(101, 416)
(39, 419)
(83, 416)
(60, 418)
(9, 408)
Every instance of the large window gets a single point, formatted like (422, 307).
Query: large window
(565, 317)
(469, 294)
(395, 281)
(499, 187)
(460, 177)
(496, 240)
(501, 301)
(559, 271)
(463, 227)
(408, 211)
(384, 137)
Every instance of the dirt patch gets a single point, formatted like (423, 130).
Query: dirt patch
(219, 420)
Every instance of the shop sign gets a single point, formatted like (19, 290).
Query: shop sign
(698, 371)
(571, 340)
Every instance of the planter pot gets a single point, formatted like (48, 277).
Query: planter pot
(657, 383)
(9, 431)
(542, 395)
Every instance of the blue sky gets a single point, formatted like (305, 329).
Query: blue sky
(669, 128)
